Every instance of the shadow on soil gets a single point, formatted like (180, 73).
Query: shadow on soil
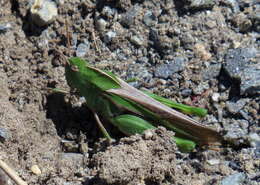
(67, 118)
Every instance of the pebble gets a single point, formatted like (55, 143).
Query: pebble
(82, 49)
(233, 4)
(101, 24)
(148, 134)
(128, 18)
(83, 148)
(236, 131)
(215, 97)
(70, 146)
(213, 161)
(186, 92)
(4, 134)
(201, 52)
(239, 67)
(250, 80)
(234, 179)
(36, 170)
(235, 107)
(136, 40)
(43, 12)
(109, 36)
(243, 23)
(254, 140)
(211, 72)
(149, 18)
(236, 60)
(76, 157)
(5, 27)
(199, 4)
(109, 12)
(199, 89)
(167, 70)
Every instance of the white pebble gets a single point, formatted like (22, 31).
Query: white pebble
(36, 170)
(215, 97)
(43, 12)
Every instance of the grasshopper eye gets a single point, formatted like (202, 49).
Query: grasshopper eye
(74, 68)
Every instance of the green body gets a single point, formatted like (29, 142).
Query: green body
(130, 115)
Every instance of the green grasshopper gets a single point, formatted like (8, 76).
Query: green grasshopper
(133, 111)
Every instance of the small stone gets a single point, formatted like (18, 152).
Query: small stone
(211, 72)
(233, 4)
(167, 70)
(236, 131)
(240, 68)
(82, 49)
(108, 12)
(83, 148)
(235, 107)
(109, 36)
(199, 4)
(148, 134)
(236, 60)
(215, 97)
(4, 134)
(101, 24)
(213, 161)
(136, 40)
(43, 12)
(186, 92)
(36, 170)
(242, 22)
(72, 156)
(235, 179)
(199, 89)
(254, 140)
(70, 146)
(128, 18)
(149, 19)
(250, 80)
(5, 27)
(201, 52)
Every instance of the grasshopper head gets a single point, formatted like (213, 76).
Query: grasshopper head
(74, 72)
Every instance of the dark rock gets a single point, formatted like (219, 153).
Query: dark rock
(186, 92)
(166, 70)
(240, 69)
(237, 59)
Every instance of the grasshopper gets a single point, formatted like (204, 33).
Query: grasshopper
(134, 111)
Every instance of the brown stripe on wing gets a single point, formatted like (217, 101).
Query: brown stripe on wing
(205, 135)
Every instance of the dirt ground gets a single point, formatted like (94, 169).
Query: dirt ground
(177, 49)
